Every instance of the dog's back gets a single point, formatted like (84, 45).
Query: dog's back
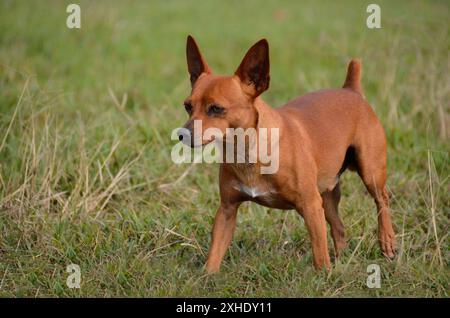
(336, 121)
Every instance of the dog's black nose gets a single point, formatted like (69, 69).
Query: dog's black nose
(184, 135)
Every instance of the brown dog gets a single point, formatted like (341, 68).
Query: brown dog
(321, 134)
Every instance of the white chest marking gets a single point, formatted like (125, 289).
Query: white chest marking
(253, 191)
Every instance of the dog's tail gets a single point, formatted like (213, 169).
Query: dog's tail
(353, 79)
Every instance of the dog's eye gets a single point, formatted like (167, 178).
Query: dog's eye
(215, 110)
(188, 108)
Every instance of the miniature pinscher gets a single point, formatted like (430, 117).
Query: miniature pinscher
(321, 134)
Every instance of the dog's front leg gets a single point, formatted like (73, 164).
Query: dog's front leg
(310, 207)
(222, 233)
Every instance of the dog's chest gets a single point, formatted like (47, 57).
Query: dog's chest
(253, 191)
(256, 187)
(249, 181)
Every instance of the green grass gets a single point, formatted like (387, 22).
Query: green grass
(85, 169)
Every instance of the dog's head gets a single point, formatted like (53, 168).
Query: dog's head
(223, 102)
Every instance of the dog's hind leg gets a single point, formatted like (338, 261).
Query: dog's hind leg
(371, 162)
(330, 202)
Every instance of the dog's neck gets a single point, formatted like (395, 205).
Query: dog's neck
(267, 118)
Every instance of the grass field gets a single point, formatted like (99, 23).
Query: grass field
(85, 169)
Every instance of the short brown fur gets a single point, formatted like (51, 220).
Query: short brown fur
(321, 134)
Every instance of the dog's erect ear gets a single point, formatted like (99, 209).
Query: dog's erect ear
(255, 68)
(196, 63)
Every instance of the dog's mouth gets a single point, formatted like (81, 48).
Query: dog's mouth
(197, 143)
(204, 143)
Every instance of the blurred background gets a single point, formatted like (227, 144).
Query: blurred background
(85, 170)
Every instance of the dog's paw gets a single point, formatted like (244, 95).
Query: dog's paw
(387, 243)
(211, 269)
(339, 246)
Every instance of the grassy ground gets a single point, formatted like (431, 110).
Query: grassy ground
(85, 169)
